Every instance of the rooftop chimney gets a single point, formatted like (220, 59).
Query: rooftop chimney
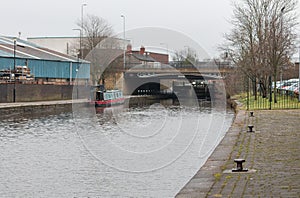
(129, 48)
(142, 50)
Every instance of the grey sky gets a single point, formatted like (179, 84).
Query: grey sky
(204, 21)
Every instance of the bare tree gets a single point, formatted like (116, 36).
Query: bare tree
(95, 29)
(263, 38)
(185, 57)
(178, 58)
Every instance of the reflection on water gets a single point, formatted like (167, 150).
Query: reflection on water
(53, 156)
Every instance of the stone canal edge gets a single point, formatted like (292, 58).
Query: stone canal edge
(271, 155)
(42, 108)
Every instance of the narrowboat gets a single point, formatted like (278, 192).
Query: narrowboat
(107, 98)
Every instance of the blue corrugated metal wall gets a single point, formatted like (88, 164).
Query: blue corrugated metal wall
(49, 69)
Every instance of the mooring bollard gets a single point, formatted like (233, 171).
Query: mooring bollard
(239, 166)
(251, 114)
(250, 128)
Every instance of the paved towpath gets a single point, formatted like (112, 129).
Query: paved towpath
(272, 155)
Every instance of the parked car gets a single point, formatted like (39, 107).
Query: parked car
(292, 87)
(296, 91)
(286, 84)
(278, 84)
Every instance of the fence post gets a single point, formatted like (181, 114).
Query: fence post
(248, 94)
(270, 91)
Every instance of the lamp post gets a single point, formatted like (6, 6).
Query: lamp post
(14, 91)
(15, 43)
(81, 31)
(77, 29)
(299, 77)
(124, 53)
(77, 83)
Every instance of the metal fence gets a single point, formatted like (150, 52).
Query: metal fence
(266, 96)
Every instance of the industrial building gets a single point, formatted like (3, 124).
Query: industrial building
(64, 44)
(70, 45)
(45, 65)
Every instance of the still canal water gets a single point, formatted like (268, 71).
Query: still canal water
(141, 151)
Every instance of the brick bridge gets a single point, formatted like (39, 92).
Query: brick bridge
(146, 80)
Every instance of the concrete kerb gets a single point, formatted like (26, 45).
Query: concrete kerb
(204, 179)
(23, 109)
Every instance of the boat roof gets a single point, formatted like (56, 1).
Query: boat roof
(109, 91)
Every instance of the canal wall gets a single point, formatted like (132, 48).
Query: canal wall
(37, 109)
(38, 92)
(44, 108)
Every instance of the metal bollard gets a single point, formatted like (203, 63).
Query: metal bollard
(250, 128)
(239, 165)
(251, 114)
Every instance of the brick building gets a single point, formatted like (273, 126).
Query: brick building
(143, 57)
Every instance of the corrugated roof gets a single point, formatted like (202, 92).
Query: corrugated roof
(52, 37)
(25, 49)
(5, 53)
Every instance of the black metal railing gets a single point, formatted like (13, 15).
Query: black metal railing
(284, 96)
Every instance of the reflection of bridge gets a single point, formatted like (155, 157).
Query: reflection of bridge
(149, 80)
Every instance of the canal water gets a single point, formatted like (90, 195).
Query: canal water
(146, 150)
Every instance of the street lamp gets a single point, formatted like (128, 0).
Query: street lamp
(14, 92)
(124, 58)
(299, 77)
(81, 51)
(77, 83)
(15, 45)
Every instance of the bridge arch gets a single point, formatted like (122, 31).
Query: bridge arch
(149, 88)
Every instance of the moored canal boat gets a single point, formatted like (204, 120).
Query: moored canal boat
(107, 98)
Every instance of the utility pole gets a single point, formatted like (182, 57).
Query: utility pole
(14, 92)
(81, 32)
(299, 77)
(124, 53)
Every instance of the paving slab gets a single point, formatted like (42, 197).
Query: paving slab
(271, 154)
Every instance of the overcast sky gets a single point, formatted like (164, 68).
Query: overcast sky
(205, 21)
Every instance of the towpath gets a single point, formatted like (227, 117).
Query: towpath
(271, 152)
